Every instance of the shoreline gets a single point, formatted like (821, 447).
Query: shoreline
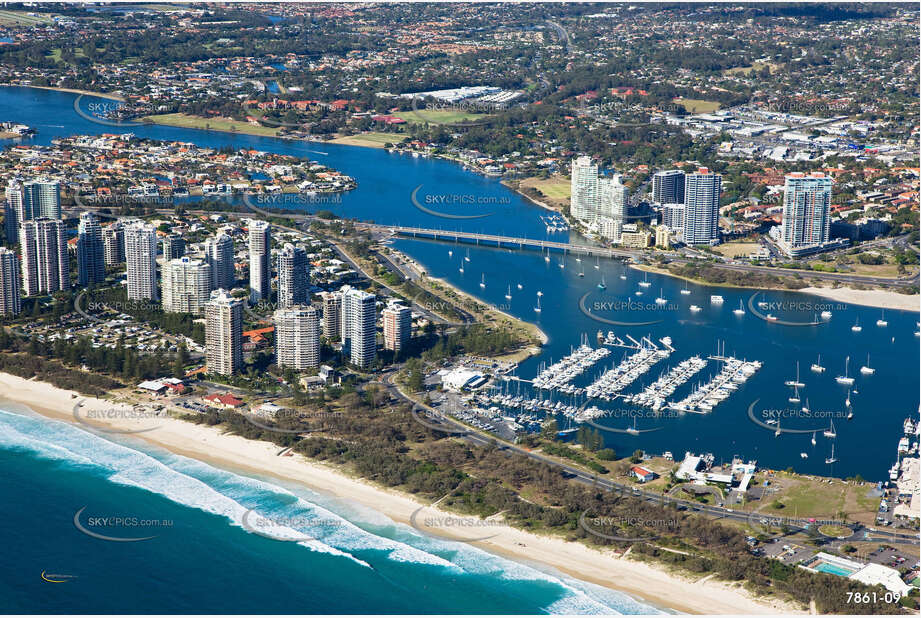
(89, 93)
(881, 299)
(636, 579)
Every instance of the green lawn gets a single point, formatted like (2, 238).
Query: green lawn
(20, 18)
(439, 116)
(214, 124)
(698, 106)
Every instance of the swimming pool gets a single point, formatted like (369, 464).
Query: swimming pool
(833, 569)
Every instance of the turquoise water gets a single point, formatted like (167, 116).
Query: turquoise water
(342, 558)
(833, 569)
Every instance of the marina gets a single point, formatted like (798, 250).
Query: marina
(559, 375)
(616, 379)
(704, 398)
(653, 396)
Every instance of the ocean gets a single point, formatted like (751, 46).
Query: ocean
(210, 550)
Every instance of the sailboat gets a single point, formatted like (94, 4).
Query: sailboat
(778, 432)
(597, 263)
(581, 270)
(806, 407)
(817, 366)
(661, 300)
(633, 431)
(847, 399)
(857, 327)
(644, 283)
(602, 286)
(795, 397)
(830, 432)
(796, 382)
(508, 295)
(623, 277)
(461, 269)
(685, 291)
(740, 310)
(881, 322)
(867, 370)
(547, 257)
(467, 257)
(845, 379)
(450, 253)
(831, 460)
(483, 280)
(562, 265)
(520, 287)
(537, 308)
(813, 439)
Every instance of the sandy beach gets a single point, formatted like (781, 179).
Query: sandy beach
(654, 585)
(89, 93)
(883, 299)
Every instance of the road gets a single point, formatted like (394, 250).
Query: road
(454, 427)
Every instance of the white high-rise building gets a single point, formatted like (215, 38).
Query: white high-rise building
(186, 285)
(673, 218)
(293, 280)
(219, 255)
(260, 261)
(10, 296)
(397, 323)
(359, 326)
(113, 243)
(223, 333)
(45, 263)
(11, 210)
(141, 261)
(332, 314)
(702, 207)
(91, 267)
(806, 211)
(613, 207)
(297, 337)
(585, 198)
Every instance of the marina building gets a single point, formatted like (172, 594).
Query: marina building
(297, 337)
(219, 255)
(45, 263)
(293, 283)
(701, 207)
(359, 327)
(141, 261)
(332, 314)
(260, 262)
(186, 285)
(806, 213)
(673, 218)
(223, 333)
(585, 197)
(668, 187)
(397, 324)
(91, 267)
(173, 247)
(113, 244)
(10, 300)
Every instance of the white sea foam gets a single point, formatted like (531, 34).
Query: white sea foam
(282, 514)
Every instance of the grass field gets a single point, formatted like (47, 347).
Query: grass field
(555, 187)
(371, 139)
(439, 116)
(21, 18)
(698, 106)
(755, 66)
(736, 249)
(214, 124)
